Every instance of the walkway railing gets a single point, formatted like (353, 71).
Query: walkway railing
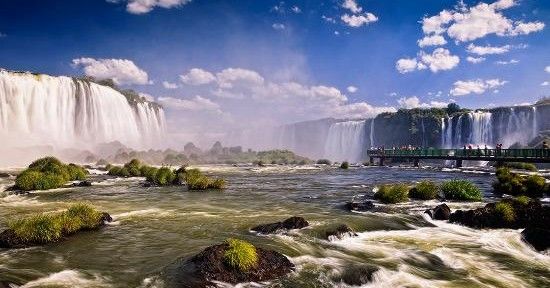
(462, 153)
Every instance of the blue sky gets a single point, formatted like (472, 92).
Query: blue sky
(272, 62)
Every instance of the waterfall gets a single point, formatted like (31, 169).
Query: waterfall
(345, 141)
(474, 128)
(71, 113)
(481, 129)
(371, 138)
(517, 125)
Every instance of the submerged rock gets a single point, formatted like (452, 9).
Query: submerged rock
(9, 239)
(340, 232)
(288, 224)
(4, 175)
(209, 265)
(357, 275)
(359, 206)
(440, 212)
(539, 238)
(82, 184)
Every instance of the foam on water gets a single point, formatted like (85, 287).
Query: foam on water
(69, 278)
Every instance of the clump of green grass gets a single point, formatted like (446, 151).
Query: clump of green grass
(391, 194)
(521, 166)
(459, 189)
(50, 227)
(514, 184)
(522, 200)
(48, 173)
(197, 181)
(240, 254)
(505, 211)
(425, 190)
(344, 165)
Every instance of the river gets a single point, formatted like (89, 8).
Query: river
(154, 226)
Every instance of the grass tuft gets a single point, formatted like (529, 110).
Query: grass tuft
(425, 190)
(240, 254)
(458, 189)
(391, 194)
(48, 173)
(505, 211)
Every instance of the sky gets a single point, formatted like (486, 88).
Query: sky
(220, 65)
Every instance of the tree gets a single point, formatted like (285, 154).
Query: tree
(452, 108)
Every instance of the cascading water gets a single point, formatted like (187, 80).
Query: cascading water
(71, 113)
(372, 133)
(346, 141)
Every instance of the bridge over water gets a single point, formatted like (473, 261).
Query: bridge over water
(459, 155)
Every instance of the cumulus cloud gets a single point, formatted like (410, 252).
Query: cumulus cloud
(440, 59)
(196, 103)
(414, 102)
(228, 77)
(296, 9)
(545, 83)
(434, 40)
(358, 20)
(512, 61)
(197, 76)
(487, 50)
(352, 89)
(470, 23)
(146, 6)
(478, 86)
(352, 6)
(475, 60)
(547, 69)
(121, 71)
(169, 85)
(407, 65)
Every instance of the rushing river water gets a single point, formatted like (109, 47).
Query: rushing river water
(155, 226)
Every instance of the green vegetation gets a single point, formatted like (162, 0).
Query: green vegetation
(197, 181)
(514, 184)
(425, 190)
(324, 162)
(505, 211)
(50, 227)
(520, 165)
(48, 173)
(280, 157)
(391, 194)
(344, 165)
(522, 200)
(240, 254)
(461, 190)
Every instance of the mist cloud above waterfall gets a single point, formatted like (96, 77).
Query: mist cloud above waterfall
(121, 71)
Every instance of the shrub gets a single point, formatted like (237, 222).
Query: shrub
(48, 173)
(149, 173)
(164, 176)
(197, 181)
(134, 167)
(425, 190)
(505, 211)
(392, 193)
(534, 185)
(240, 254)
(324, 161)
(344, 165)
(461, 190)
(515, 184)
(522, 200)
(50, 227)
(523, 166)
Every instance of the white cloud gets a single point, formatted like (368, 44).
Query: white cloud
(477, 86)
(228, 77)
(545, 83)
(145, 6)
(440, 59)
(147, 97)
(359, 19)
(465, 24)
(512, 61)
(434, 40)
(196, 104)
(352, 6)
(169, 85)
(197, 76)
(407, 65)
(414, 102)
(296, 9)
(475, 60)
(547, 69)
(487, 50)
(352, 89)
(121, 71)
(278, 26)
(328, 19)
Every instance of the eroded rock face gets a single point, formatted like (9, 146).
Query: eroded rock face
(440, 212)
(531, 214)
(9, 239)
(539, 238)
(340, 232)
(359, 206)
(288, 224)
(208, 266)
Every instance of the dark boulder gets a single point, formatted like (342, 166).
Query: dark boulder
(340, 232)
(357, 275)
(440, 212)
(539, 238)
(288, 224)
(82, 184)
(359, 206)
(208, 266)
(4, 175)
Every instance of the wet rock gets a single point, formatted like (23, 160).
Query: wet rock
(340, 232)
(357, 275)
(539, 238)
(4, 175)
(208, 266)
(440, 212)
(359, 206)
(288, 224)
(82, 184)
(5, 284)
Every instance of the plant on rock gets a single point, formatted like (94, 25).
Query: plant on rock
(425, 190)
(240, 254)
(392, 194)
(48, 173)
(197, 181)
(461, 190)
(505, 211)
(514, 184)
(344, 165)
